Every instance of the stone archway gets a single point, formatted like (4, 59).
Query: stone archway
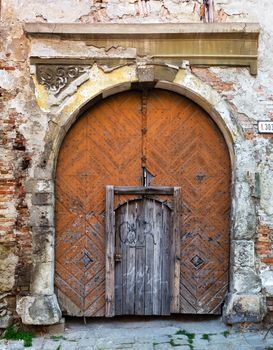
(181, 147)
(245, 302)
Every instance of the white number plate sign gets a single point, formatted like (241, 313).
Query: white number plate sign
(265, 127)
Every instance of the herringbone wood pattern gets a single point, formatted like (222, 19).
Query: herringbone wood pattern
(103, 147)
(184, 149)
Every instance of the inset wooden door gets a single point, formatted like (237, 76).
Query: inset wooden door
(142, 252)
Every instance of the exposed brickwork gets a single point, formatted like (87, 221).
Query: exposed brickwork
(228, 89)
(15, 159)
(215, 81)
(264, 246)
(264, 250)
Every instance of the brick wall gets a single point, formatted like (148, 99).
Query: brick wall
(264, 246)
(15, 238)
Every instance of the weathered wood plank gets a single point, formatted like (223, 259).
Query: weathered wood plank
(130, 218)
(166, 252)
(139, 190)
(149, 268)
(156, 210)
(123, 231)
(118, 266)
(140, 263)
(110, 245)
(175, 254)
(188, 302)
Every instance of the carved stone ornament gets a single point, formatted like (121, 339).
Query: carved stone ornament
(57, 77)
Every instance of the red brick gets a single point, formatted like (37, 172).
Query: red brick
(7, 68)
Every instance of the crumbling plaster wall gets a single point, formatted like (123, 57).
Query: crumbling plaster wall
(24, 123)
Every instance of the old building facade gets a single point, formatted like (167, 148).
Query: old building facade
(132, 93)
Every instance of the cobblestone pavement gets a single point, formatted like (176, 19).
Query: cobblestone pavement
(152, 334)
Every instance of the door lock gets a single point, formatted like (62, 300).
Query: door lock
(117, 257)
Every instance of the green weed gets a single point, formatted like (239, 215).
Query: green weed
(57, 337)
(206, 337)
(172, 343)
(226, 333)
(13, 333)
(190, 336)
(187, 334)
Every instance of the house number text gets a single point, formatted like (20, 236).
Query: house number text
(265, 127)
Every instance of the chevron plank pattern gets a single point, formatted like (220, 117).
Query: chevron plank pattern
(103, 147)
(184, 149)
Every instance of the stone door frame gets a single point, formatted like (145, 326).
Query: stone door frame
(244, 303)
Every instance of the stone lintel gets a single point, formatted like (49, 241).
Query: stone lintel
(215, 44)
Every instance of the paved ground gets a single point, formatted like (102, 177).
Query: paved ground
(150, 334)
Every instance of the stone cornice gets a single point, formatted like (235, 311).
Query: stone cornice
(146, 29)
(214, 44)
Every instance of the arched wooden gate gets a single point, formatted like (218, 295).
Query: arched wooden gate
(155, 138)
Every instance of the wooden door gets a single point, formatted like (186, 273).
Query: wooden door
(142, 273)
(142, 252)
(103, 147)
(177, 144)
(185, 148)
